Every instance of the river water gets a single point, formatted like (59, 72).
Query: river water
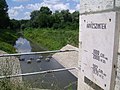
(63, 80)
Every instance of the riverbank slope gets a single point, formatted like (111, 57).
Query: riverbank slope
(52, 39)
(68, 59)
(7, 40)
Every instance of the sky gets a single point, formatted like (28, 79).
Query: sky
(21, 9)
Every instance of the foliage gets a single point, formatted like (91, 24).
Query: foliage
(4, 19)
(6, 47)
(7, 40)
(52, 39)
(14, 24)
(45, 18)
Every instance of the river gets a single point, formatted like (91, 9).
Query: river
(63, 80)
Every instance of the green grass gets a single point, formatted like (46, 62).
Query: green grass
(6, 47)
(52, 39)
(7, 40)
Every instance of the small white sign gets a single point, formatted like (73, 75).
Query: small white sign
(98, 34)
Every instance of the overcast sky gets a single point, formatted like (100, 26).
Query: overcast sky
(20, 9)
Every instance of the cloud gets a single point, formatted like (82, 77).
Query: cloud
(32, 7)
(55, 4)
(20, 0)
(48, 3)
(23, 12)
(27, 15)
(73, 0)
(77, 7)
(52, 4)
(60, 6)
(14, 11)
(21, 7)
(51, 1)
(71, 10)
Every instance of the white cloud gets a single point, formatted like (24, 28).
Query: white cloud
(61, 6)
(12, 13)
(35, 6)
(77, 7)
(20, 0)
(27, 15)
(21, 7)
(48, 3)
(52, 4)
(51, 1)
(71, 10)
(74, 0)
(23, 12)
(55, 5)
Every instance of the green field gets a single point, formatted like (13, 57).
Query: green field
(52, 39)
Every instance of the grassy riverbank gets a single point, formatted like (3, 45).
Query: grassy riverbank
(52, 39)
(7, 40)
(48, 39)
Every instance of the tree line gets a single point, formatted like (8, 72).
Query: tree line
(4, 18)
(43, 18)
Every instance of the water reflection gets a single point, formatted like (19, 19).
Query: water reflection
(22, 45)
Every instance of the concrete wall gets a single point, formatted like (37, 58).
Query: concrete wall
(68, 59)
(10, 66)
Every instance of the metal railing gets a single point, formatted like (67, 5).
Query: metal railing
(37, 53)
(34, 73)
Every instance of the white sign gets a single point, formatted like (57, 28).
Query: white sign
(98, 34)
(95, 5)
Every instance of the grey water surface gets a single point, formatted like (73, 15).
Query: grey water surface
(62, 80)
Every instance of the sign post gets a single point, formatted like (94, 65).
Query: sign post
(99, 41)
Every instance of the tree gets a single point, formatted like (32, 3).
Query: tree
(75, 20)
(4, 19)
(34, 14)
(66, 15)
(75, 17)
(42, 18)
(45, 10)
(14, 24)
